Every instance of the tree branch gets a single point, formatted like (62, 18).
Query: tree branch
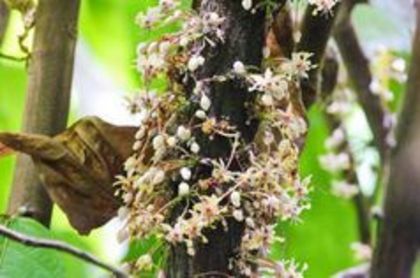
(47, 103)
(398, 241)
(361, 77)
(316, 32)
(12, 58)
(59, 246)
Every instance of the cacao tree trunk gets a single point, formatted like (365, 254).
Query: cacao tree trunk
(244, 41)
(47, 101)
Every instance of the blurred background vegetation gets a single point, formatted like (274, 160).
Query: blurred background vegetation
(105, 73)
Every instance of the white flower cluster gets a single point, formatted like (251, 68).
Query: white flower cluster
(338, 159)
(164, 171)
(387, 68)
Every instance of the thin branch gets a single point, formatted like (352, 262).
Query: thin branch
(361, 77)
(316, 32)
(59, 246)
(12, 58)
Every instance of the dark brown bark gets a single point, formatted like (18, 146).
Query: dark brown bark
(48, 95)
(399, 234)
(361, 77)
(244, 33)
(316, 32)
(4, 19)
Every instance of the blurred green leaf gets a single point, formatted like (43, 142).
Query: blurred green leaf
(12, 95)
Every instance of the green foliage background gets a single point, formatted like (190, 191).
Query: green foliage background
(321, 240)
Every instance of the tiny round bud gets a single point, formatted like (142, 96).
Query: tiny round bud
(205, 102)
(158, 142)
(239, 68)
(183, 133)
(171, 141)
(195, 148)
(238, 215)
(200, 114)
(183, 189)
(235, 199)
(185, 173)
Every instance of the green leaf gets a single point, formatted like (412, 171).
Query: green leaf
(20, 261)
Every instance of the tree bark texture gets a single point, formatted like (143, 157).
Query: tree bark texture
(399, 233)
(316, 32)
(47, 100)
(244, 41)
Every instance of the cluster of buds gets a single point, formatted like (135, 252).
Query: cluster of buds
(165, 174)
(387, 68)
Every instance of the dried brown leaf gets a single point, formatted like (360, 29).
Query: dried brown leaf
(78, 167)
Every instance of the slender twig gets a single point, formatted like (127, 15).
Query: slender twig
(361, 77)
(59, 246)
(12, 58)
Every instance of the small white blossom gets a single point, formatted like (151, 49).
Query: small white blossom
(185, 173)
(200, 114)
(375, 86)
(344, 189)
(205, 102)
(158, 177)
(336, 139)
(239, 68)
(137, 145)
(335, 162)
(195, 62)
(235, 199)
(183, 189)
(195, 148)
(171, 141)
(158, 142)
(183, 133)
(238, 215)
(399, 65)
(140, 133)
(247, 4)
